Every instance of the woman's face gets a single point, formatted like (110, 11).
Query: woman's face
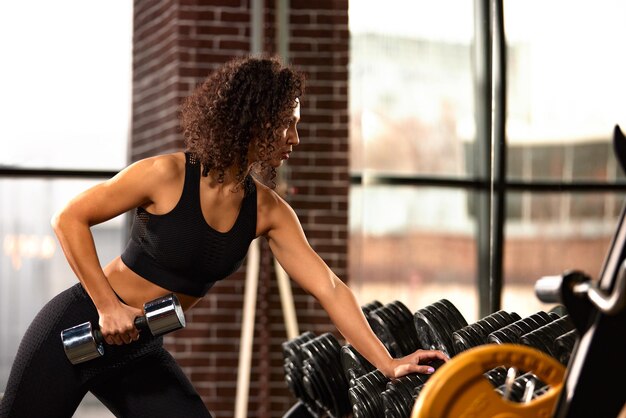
(288, 138)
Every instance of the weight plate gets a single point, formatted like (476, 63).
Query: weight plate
(443, 327)
(536, 340)
(454, 317)
(489, 324)
(460, 389)
(391, 326)
(460, 319)
(408, 341)
(462, 340)
(478, 332)
(427, 332)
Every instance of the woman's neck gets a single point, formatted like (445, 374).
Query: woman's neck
(230, 180)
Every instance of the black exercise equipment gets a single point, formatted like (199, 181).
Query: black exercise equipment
(435, 325)
(365, 395)
(552, 364)
(312, 369)
(354, 364)
(477, 333)
(598, 310)
(393, 324)
(400, 395)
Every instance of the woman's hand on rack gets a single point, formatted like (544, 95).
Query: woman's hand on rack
(420, 361)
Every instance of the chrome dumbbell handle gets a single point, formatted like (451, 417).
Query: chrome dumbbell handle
(140, 323)
(83, 342)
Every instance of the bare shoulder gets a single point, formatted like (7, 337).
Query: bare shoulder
(166, 166)
(267, 199)
(271, 208)
(156, 181)
(158, 169)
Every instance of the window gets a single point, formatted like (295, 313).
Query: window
(64, 122)
(421, 154)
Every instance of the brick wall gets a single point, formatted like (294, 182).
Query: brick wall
(176, 44)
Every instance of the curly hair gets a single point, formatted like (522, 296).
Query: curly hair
(246, 99)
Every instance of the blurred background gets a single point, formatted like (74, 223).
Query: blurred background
(459, 162)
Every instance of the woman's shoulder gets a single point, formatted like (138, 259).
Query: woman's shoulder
(266, 196)
(158, 178)
(270, 203)
(163, 167)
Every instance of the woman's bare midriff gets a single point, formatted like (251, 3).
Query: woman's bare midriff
(134, 290)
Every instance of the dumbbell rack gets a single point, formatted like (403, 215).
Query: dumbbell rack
(586, 334)
(336, 381)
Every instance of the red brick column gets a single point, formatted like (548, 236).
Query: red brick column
(176, 44)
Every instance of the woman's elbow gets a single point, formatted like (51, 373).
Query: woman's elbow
(61, 220)
(56, 222)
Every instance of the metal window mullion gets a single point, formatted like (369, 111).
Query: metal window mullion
(482, 155)
(18, 172)
(492, 301)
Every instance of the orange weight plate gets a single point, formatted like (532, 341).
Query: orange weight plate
(458, 388)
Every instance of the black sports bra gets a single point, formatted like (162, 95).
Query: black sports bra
(179, 251)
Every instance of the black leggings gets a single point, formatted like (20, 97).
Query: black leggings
(140, 379)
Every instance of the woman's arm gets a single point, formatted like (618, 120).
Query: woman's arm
(134, 186)
(290, 247)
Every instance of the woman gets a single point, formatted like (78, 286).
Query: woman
(196, 213)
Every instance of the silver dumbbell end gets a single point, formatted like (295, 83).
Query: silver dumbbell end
(80, 345)
(164, 315)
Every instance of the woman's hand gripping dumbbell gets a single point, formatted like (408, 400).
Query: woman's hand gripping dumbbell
(83, 342)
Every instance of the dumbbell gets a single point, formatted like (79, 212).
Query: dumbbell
(162, 315)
